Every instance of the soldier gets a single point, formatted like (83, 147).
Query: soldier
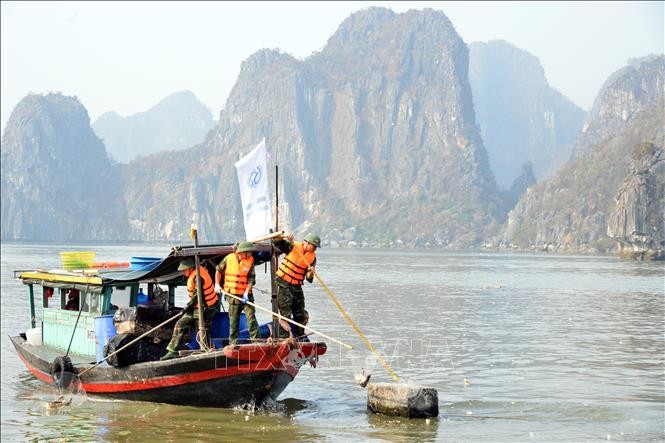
(191, 315)
(296, 267)
(239, 278)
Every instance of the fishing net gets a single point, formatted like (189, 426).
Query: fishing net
(67, 392)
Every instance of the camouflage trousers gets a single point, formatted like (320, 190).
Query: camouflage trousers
(291, 301)
(187, 321)
(235, 309)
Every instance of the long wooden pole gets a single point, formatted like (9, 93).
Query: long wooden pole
(201, 337)
(358, 331)
(268, 236)
(274, 261)
(289, 320)
(77, 319)
(276, 196)
(132, 342)
(355, 327)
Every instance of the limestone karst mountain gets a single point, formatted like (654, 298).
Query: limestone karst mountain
(57, 182)
(572, 210)
(377, 143)
(374, 135)
(177, 122)
(521, 117)
(637, 222)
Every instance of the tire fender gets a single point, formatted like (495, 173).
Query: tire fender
(62, 371)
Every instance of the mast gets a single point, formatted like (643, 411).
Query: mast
(276, 198)
(202, 339)
(273, 264)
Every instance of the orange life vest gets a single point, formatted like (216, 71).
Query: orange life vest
(295, 264)
(209, 294)
(236, 274)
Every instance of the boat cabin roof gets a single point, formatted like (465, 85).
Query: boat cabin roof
(166, 271)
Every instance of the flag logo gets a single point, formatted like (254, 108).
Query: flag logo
(255, 177)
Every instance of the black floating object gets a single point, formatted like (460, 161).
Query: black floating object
(403, 400)
(362, 378)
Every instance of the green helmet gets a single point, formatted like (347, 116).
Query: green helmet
(186, 264)
(246, 246)
(313, 239)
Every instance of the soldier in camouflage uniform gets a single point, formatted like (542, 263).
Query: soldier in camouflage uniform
(297, 266)
(239, 278)
(190, 316)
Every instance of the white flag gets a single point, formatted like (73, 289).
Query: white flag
(253, 180)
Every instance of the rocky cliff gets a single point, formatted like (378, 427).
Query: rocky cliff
(521, 183)
(375, 137)
(627, 92)
(571, 211)
(637, 222)
(177, 122)
(521, 117)
(377, 144)
(57, 182)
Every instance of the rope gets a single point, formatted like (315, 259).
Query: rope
(290, 321)
(262, 290)
(200, 340)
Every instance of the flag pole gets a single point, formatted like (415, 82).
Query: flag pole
(273, 261)
(276, 197)
(201, 336)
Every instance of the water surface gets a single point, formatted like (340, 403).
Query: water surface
(520, 348)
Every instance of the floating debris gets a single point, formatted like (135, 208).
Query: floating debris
(362, 377)
(404, 400)
(58, 403)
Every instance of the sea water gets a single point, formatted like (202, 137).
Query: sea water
(521, 347)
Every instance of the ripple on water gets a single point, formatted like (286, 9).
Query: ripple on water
(520, 347)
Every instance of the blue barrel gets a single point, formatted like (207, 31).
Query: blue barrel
(220, 325)
(219, 329)
(104, 330)
(264, 331)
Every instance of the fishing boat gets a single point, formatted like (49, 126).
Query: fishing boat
(69, 346)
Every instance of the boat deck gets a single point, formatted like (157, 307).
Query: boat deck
(50, 354)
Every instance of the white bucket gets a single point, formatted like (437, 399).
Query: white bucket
(34, 336)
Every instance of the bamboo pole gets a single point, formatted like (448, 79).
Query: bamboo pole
(132, 342)
(358, 331)
(355, 327)
(201, 336)
(289, 320)
(268, 236)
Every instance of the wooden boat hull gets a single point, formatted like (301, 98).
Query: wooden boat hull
(208, 379)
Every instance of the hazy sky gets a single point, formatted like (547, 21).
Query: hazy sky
(127, 56)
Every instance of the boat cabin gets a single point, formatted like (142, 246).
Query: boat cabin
(82, 310)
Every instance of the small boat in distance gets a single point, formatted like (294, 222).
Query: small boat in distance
(108, 316)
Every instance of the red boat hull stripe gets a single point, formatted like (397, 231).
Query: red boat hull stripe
(172, 380)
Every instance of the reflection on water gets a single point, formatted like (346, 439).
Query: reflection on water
(520, 348)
